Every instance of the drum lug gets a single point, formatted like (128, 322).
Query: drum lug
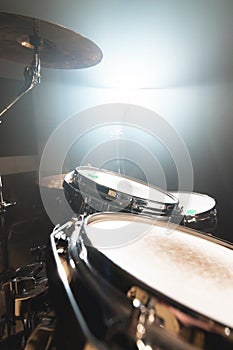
(136, 293)
(137, 205)
(150, 314)
(188, 219)
(213, 212)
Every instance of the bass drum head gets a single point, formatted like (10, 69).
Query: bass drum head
(185, 265)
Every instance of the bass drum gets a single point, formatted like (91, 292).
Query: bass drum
(168, 287)
(198, 211)
(97, 190)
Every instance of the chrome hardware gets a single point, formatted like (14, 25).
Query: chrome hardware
(155, 322)
(152, 311)
(90, 346)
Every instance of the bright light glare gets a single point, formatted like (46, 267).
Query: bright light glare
(141, 71)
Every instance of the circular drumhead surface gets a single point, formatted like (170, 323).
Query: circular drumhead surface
(127, 185)
(188, 268)
(194, 203)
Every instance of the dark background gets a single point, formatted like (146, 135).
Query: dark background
(17, 133)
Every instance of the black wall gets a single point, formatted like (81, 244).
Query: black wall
(17, 130)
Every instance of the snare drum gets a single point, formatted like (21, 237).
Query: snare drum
(169, 289)
(198, 210)
(97, 190)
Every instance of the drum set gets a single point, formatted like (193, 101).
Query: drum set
(135, 267)
(139, 268)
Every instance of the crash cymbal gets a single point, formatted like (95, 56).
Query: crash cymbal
(53, 181)
(58, 46)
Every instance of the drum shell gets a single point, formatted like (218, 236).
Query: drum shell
(206, 222)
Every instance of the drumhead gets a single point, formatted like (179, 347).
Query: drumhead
(125, 184)
(193, 203)
(185, 265)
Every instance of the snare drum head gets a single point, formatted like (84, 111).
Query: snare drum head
(183, 264)
(124, 184)
(194, 203)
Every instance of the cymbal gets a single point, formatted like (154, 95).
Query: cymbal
(59, 47)
(53, 181)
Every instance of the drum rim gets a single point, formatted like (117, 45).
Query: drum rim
(196, 194)
(109, 172)
(75, 248)
(160, 223)
(203, 195)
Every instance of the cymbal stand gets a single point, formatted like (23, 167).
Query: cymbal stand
(3, 208)
(32, 74)
(4, 253)
(32, 78)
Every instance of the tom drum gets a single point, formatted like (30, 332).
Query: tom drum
(198, 210)
(98, 190)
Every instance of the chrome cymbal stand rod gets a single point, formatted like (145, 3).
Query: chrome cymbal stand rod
(14, 101)
(5, 259)
(32, 73)
(3, 233)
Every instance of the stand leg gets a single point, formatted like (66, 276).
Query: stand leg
(4, 245)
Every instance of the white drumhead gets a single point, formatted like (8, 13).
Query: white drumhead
(194, 203)
(127, 185)
(180, 263)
